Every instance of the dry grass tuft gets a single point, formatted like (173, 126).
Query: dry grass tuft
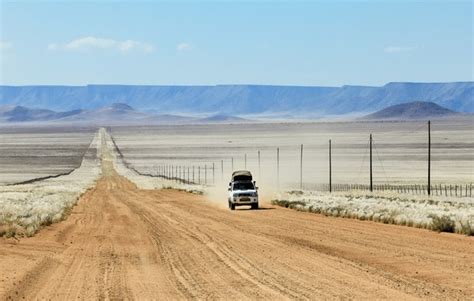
(442, 223)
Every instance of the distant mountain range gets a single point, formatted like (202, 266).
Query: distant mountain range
(12, 113)
(412, 110)
(117, 113)
(242, 99)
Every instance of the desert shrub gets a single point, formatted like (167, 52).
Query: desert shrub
(442, 224)
(314, 209)
(47, 220)
(10, 232)
(387, 219)
(296, 204)
(465, 228)
(31, 230)
(295, 192)
(288, 204)
(281, 203)
(337, 211)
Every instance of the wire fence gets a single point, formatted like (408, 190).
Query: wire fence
(207, 174)
(461, 190)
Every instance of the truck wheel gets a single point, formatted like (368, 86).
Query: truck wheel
(232, 206)
(255, 206)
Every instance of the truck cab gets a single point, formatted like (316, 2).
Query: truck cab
(242, 190)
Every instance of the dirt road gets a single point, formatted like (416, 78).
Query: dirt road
(122, 242)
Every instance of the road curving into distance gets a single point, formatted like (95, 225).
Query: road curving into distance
(124, 243)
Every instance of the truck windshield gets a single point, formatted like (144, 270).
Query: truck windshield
(243, 186)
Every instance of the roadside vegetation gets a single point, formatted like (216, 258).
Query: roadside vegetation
(145, 180)
(455, 215)
(26, 208)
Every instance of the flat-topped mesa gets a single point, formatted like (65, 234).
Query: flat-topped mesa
(241, 99)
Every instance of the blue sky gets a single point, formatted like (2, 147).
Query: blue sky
(323, 43)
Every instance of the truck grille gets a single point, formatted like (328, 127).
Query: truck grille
(245, 194)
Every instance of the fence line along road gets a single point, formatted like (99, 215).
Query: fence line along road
(200, 175)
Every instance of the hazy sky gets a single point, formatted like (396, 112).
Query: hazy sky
(256, 42)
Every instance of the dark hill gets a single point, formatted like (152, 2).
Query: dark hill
(21, 114)
(222, 118)
(412, 110)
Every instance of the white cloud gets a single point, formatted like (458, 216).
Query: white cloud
(89, 43)
(184, 47)
(396, 49)
(5, 45)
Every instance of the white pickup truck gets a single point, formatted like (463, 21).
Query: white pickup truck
(242, 190)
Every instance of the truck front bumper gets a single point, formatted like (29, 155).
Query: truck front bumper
(245, 200)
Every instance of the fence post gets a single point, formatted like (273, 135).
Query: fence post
(301, 168)
(371, 187)
(278, 169)
(232, 163)
(199, 174)
(429, 157)
(245, 160)
(330, 167)
(222, 170)
(259, 169)
(194, 181)
(205, 174)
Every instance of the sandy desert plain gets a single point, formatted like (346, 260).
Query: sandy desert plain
(104, 231)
